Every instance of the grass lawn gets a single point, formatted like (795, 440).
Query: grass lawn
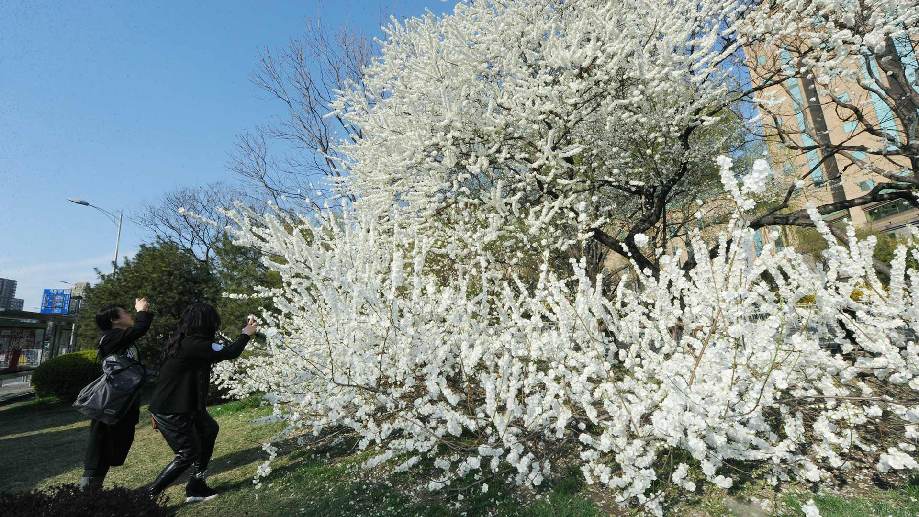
(42, 444)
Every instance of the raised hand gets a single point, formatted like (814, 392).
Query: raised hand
(141, 304)
(251, 326)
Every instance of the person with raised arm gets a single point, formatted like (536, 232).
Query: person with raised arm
(109, 444)
(179, 399)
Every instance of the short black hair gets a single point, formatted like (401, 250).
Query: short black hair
(107, 315)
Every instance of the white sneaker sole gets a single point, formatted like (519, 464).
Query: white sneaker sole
(199, 499)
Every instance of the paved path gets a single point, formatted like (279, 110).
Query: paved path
(15, 387)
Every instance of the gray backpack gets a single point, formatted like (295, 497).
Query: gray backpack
(109, 397)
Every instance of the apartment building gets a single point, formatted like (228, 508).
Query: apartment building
(8, 300)
(809, 113)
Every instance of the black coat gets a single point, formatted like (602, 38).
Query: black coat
(184, 378)
(109, 444)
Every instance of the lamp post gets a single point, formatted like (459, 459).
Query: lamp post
(117, 220)
(73, 327)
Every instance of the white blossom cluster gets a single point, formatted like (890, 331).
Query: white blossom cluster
(721, 362)
(857, 55)
(539, 111)
(833, 38)
(488, 140)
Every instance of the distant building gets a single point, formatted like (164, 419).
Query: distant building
(16, 304)
(8, 294)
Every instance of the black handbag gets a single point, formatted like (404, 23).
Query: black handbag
(109, 397)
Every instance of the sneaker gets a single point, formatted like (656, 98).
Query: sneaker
(90, 483)
(197, 490)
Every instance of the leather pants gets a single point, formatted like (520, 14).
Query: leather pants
(191, 437)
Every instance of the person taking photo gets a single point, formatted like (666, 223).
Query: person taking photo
(178, 402)
(109, 444)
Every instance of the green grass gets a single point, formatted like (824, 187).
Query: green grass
(902, 502)
(42, 443)
(46, 441)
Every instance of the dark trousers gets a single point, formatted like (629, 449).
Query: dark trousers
(191, 437)
(109, 444)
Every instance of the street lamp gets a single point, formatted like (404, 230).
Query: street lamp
(76, 313)
(115, 220)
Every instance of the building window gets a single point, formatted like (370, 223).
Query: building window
(885, 116)
(850, 124)
(886, 210)
(758, 242)
(780, 242)
(818, 178)
(907, 55)
(866, 185)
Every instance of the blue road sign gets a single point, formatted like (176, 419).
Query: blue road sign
(55, 301)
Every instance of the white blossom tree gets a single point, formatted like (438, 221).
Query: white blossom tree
(580, 128)
(510, 133)
(483, 377)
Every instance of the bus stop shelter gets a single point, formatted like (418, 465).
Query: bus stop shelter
(29, 338)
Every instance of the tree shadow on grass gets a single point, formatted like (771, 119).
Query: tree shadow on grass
(43, 439)
(246, 456)
(330, 481)
(310, 486)
(29, 460)
(303, 481)
(29, 419)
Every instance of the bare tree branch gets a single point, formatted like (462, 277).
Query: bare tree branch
(171, 219)
(289, 162)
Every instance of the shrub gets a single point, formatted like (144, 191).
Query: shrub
(65, 375)
(710, 364)
(72, 501)
(219, 394)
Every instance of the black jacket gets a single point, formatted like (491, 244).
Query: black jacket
(184, 377)
(118, 341)
(109, 444)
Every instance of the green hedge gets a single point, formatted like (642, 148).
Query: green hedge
(65, 375)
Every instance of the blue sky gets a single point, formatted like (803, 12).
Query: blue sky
(118, 102)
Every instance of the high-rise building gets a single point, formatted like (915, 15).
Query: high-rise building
(16, 304)
(7, 294)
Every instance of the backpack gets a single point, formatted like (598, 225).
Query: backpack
(109, 397)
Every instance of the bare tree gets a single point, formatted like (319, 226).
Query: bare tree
(294, 162)
(177, 218)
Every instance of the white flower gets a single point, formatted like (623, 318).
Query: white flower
(755, 182)
(810, 509)
(895, 459)
(723, 481)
